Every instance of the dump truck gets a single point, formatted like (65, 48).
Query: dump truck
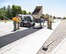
(37, 12)
(29, 20)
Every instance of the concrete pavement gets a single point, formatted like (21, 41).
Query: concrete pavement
(29, 44)
(56, 37)
(61, 48)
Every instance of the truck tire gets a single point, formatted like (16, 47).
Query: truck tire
(33, 24)
(28, 25)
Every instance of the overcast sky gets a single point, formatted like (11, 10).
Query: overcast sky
(52, 7)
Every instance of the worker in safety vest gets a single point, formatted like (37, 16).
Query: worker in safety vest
(49, 22)
(16, 23)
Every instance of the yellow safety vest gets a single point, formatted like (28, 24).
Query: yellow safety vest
(15, 19)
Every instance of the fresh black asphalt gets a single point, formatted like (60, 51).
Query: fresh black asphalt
(7, 39)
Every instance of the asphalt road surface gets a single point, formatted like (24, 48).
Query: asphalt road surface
(7, 39)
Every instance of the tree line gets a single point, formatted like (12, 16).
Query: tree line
(11, 11)
(47, 15)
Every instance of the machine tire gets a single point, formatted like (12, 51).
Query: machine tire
(21, 24)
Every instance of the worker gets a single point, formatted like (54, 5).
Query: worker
(16, 23)
(49, 22)
(5, 20)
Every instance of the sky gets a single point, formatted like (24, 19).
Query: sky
(52, 7)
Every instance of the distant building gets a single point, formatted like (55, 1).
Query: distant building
(37, 12)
